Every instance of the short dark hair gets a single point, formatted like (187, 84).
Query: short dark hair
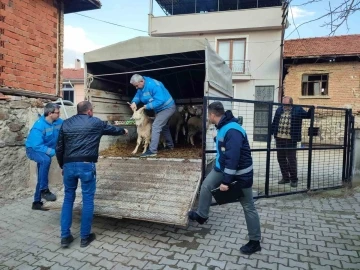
(50, 108)
(84, 107)
(290, 99)
(216, 108)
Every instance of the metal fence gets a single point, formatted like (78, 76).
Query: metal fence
(320, 158)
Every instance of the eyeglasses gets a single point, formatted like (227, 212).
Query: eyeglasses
(57, 112)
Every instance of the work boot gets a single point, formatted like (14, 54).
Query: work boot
(86, 241)
(283, 181)
(294, 184)
(38, 206)
(47, 195)
(251, 247)
(168, 148)
(65, 242)
(148, 153)
(195, 217)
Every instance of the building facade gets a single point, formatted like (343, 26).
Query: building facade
(31, 56)
(324, 71)
(246, 34)
(73, 83)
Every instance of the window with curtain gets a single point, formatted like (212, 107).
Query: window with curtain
(233, 52)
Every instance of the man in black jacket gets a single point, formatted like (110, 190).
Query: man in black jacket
(233, 163)
(77, 152)
(286, 128)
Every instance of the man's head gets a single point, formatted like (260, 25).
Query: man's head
(137, 81)
(52, 111)
(85, 107)
(215, 112)
(286, 100)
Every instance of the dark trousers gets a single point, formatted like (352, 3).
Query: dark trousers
(287, 159)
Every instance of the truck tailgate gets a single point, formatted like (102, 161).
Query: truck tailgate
(157, 190)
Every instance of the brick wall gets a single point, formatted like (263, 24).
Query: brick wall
(30, 44)
(343, 88)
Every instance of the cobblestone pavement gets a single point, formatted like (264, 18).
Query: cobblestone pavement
(299, 232)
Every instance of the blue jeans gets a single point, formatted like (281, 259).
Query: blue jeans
(43, 166)
(87, 174)
(213, 180)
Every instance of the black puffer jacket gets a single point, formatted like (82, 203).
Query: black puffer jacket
(79, 138)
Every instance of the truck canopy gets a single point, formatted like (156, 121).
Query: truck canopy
(183, 64)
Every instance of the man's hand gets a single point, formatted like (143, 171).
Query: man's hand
(126, 132)
(133, 106)
(224, 187)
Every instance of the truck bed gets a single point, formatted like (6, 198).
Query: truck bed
(159, 190)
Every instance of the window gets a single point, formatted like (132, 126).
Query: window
(233, 52)
(68, 92)
(315, 85)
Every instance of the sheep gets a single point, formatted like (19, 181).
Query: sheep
(194, 127)
(193, 122)
(176, 121)
(143, 125)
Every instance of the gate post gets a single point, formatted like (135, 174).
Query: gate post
(311, 131)
(268, 152)
(205, 102)
(349, 147)
(346, 134)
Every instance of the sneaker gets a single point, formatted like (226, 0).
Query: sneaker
(65, 242)
(148, 153)
(38, 206)
(251, 247)
(86, 241)
(283, 181)
(47, 195)
(293, 184)
(195, 217)
(168, 148)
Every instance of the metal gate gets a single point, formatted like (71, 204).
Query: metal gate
(323, 153)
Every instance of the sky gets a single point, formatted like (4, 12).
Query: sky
(83, 34)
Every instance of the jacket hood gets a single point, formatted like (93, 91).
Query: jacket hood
(228, 117)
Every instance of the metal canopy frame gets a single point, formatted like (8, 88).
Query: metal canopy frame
(71, 6)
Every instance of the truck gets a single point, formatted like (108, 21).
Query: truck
(158, 190)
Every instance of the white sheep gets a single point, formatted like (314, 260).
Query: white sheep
(143, 125)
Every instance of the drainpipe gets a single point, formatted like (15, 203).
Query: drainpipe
(60, 6)
(150, 17)
(283, 26)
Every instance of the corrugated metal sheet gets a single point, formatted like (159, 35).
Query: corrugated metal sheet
(157, 190)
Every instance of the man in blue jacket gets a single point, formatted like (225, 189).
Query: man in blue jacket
(233, 163)
(40, 147)
(156, 97)
(286, 128)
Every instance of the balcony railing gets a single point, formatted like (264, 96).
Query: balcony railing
(239, 67)
(176, 7)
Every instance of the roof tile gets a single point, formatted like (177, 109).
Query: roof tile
(322, 46)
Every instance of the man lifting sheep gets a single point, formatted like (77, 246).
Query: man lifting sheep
(154, 96)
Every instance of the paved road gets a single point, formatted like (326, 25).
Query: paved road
(299, 232)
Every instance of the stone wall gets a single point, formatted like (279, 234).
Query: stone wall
(330, 125)
(14, 127)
